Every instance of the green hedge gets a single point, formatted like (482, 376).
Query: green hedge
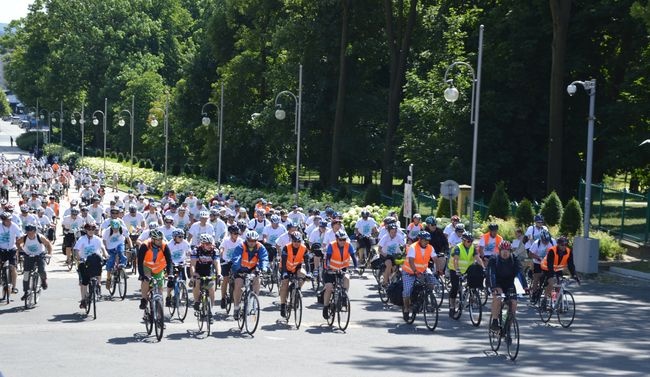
(27, 141)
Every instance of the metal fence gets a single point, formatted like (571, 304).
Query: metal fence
(623, 214)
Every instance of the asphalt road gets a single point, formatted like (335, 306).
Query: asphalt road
(609, 337)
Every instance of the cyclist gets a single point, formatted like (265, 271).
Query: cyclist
(180, 250)
(462, 256)
(451, 227)
(364, 228)
(227, 249)
(455, 237)
(417, 263)
(259, 221)
(114, 238)
(414, 228)
(534, 231)
(438, 241)
(154, 259)
(337, 258)
(167, 229)
(9, 234)
(90, 250)
(34, 245)
(248, 256)
(203, 258)
(199, 228)
(217, 223)
(271, 234)
(389, 247)
(316, 237)
(489, 242)
(293, 257)
(537, 253)
(556, 260)
(181, 219)
(297, 217)
(72, 224)
(502, 270)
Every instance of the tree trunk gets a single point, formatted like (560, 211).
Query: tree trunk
(399, 42)
(340, 96)
(560, 12)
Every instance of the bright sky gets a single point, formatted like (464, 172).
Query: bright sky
(13, 9)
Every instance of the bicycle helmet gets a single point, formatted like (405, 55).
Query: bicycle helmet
(5, 216)
(323, 224)
(275, 219)
(365, 213)
(3, 202)
(505, 245)
(467, 237)
(417, 216)
(74, 202)
(204, 214)
(252, 235)
(24, 208)
(206, 238)
(562, 241)
(133, 209)
(115, 224)
(74, 211)
(91, 226)
(341, 235)
(424, 235)
(296, 237)
(539, 218)
(84, 209)
(178, 233)
(234, 229)
(155, 234)
(455, 218)
(545, 236)
(242, 225)
(214, 212)
(459, 227)
(493, 226)
(153, 225)
(30, 228)
(391, 226)
(431, 220)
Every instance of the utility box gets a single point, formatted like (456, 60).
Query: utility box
(585, 254)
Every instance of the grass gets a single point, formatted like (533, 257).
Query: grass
(643, 266)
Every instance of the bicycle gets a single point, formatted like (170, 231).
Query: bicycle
(367, 255)
(154, 316)
(249, 317)
(339, 305)
(118, 281)
(470, 298)
(5, 280)
(91, 298)
(562, 304)
(295, 301)
(20, 263)
(204, 314)
(423, 300)
(180, 299)
(34, 288)
(508, 328)
(394, 276)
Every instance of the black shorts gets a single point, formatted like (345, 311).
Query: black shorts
(8, 255)
(329, 278)
(537, 268)
(91, 267)
(69, 240)
(225, 268)
(507, 287)
(318, 252)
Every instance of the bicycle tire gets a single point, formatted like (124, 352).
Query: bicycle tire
(159, 319)
(199, 317)
(566, 311)
(36, 288)
(113, 286)
(20, 267)
(343, 312)
(475, 308)
(207, 315)
(28, 294)
(439, 292)
(431, 312)
(383, 296)
(252, 314)
(122, 284)
(377, 273)
(270, 282)
(331, 310)
(362, 261)
(89, 297)
(297, 308)
(494, 336)
(174, 307)
(483, 294)
(228, 299)
(94, 297)
(460, 302)
(148, 318)
(183, 303)
(512, 338)
(242, 313)
(411, 314)
(545, 311)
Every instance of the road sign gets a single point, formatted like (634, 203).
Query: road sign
(449, 189)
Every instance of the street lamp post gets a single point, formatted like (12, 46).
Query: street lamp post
(82, 122)
(206, 122)
(96, 122)
(154, 123)
(280, 114)
(121, 123)
(53, 119)
(42, 117)
(451, 95)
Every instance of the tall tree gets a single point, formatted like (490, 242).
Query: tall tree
(399, 29)
(560, 13)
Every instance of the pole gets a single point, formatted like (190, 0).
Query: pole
(38, 118)
(220, 138)
(132, 134)
(590, 153)
(61, 132)
(477, 98)
(166, 134)
(298, 119)
(81, 123)
(105, 110)
(410, 181)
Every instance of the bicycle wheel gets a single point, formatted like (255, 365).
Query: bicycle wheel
(512, 338)
(297, 308)
(439, 292)
(182, 303)
(113, 286)
(362, 261)
(545, 310)
(159, 319)
(148, 318)
(483, 294)
(20, 268)
(70, 264)
(94, 299)
(331, 310)
(460, 302)
(174, 303)
(383, 296)
(228, 299)
(36, 288)
(528, 275)
(252, 314)
(430, 311)
(566, 310)
(270, 282)
(475, 308)
(207, 315)
(343, 312)
(121, 283)
(89, 297)
(494, 336)
(200, 314)
(28, 295)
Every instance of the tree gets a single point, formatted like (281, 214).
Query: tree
(524, 215)
(499, 203)
(571, 222)
(552, 209)
(5, 109)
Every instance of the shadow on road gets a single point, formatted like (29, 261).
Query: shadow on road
(139, 337)
(68, 318)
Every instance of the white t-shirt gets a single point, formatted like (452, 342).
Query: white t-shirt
(491, 246)
(297, 218)
(73, 225)
(133, 222)
(149, 217)
(96, 213)
(44, 221)
(219, 229)
(258, 226)
(454, 239)
(87, 246)
(167, 232)
(316, 236)
(539, 249)
(116, 239)
(228, 247)
(534, 233)
(365, 227)
(330, 236)
(107, 223)
(191, 202)
(33, 247)
(271, 235)
(413, 229)
(196, 230)
(180, 251)
(449, 229)
(181, 222)
(391, 245)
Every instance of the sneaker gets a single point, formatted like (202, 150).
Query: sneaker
(405, 315)
(197, 306)
(82, 304)
(495, 325)
(223, 303)
(143, 304)
(24, 296)
(451, 312)
(326, 313)
(283, 310)
(168, 301)
(44, 285)
(235, 314)
(14, 290)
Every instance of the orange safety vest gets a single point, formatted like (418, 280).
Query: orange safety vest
(558, 264)
(421, 259)
(294, 259)
(155, 265)
(250, 263)
(338, 261)
(55, 207)
(497, 241)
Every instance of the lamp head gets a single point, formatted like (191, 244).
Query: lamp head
(121, 122)
(154, 122)
(451, 94)
(205, 121)
(571, 89)
(280, 114)
(73, 121)
(42, 116)
(95, 121)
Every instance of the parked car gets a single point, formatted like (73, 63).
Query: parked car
(15, 119)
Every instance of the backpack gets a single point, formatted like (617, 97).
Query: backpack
(394, 293)
(475, 276)
(38, 237)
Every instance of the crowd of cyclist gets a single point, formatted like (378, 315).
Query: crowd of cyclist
(193, 239)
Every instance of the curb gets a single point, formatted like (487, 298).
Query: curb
(632, 273)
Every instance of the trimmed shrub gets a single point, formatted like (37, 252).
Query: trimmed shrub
(608, 248)
(119, 158)
(506, 227)
(141, 164)
(443, 208)
(552, 209)
(524, 215)
(27, 141)
(499, 203)
(571, 222)
(372, 195)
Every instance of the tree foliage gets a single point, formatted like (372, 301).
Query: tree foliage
(552, 209)
(499, 203)
(571, 222)
(524, 214)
